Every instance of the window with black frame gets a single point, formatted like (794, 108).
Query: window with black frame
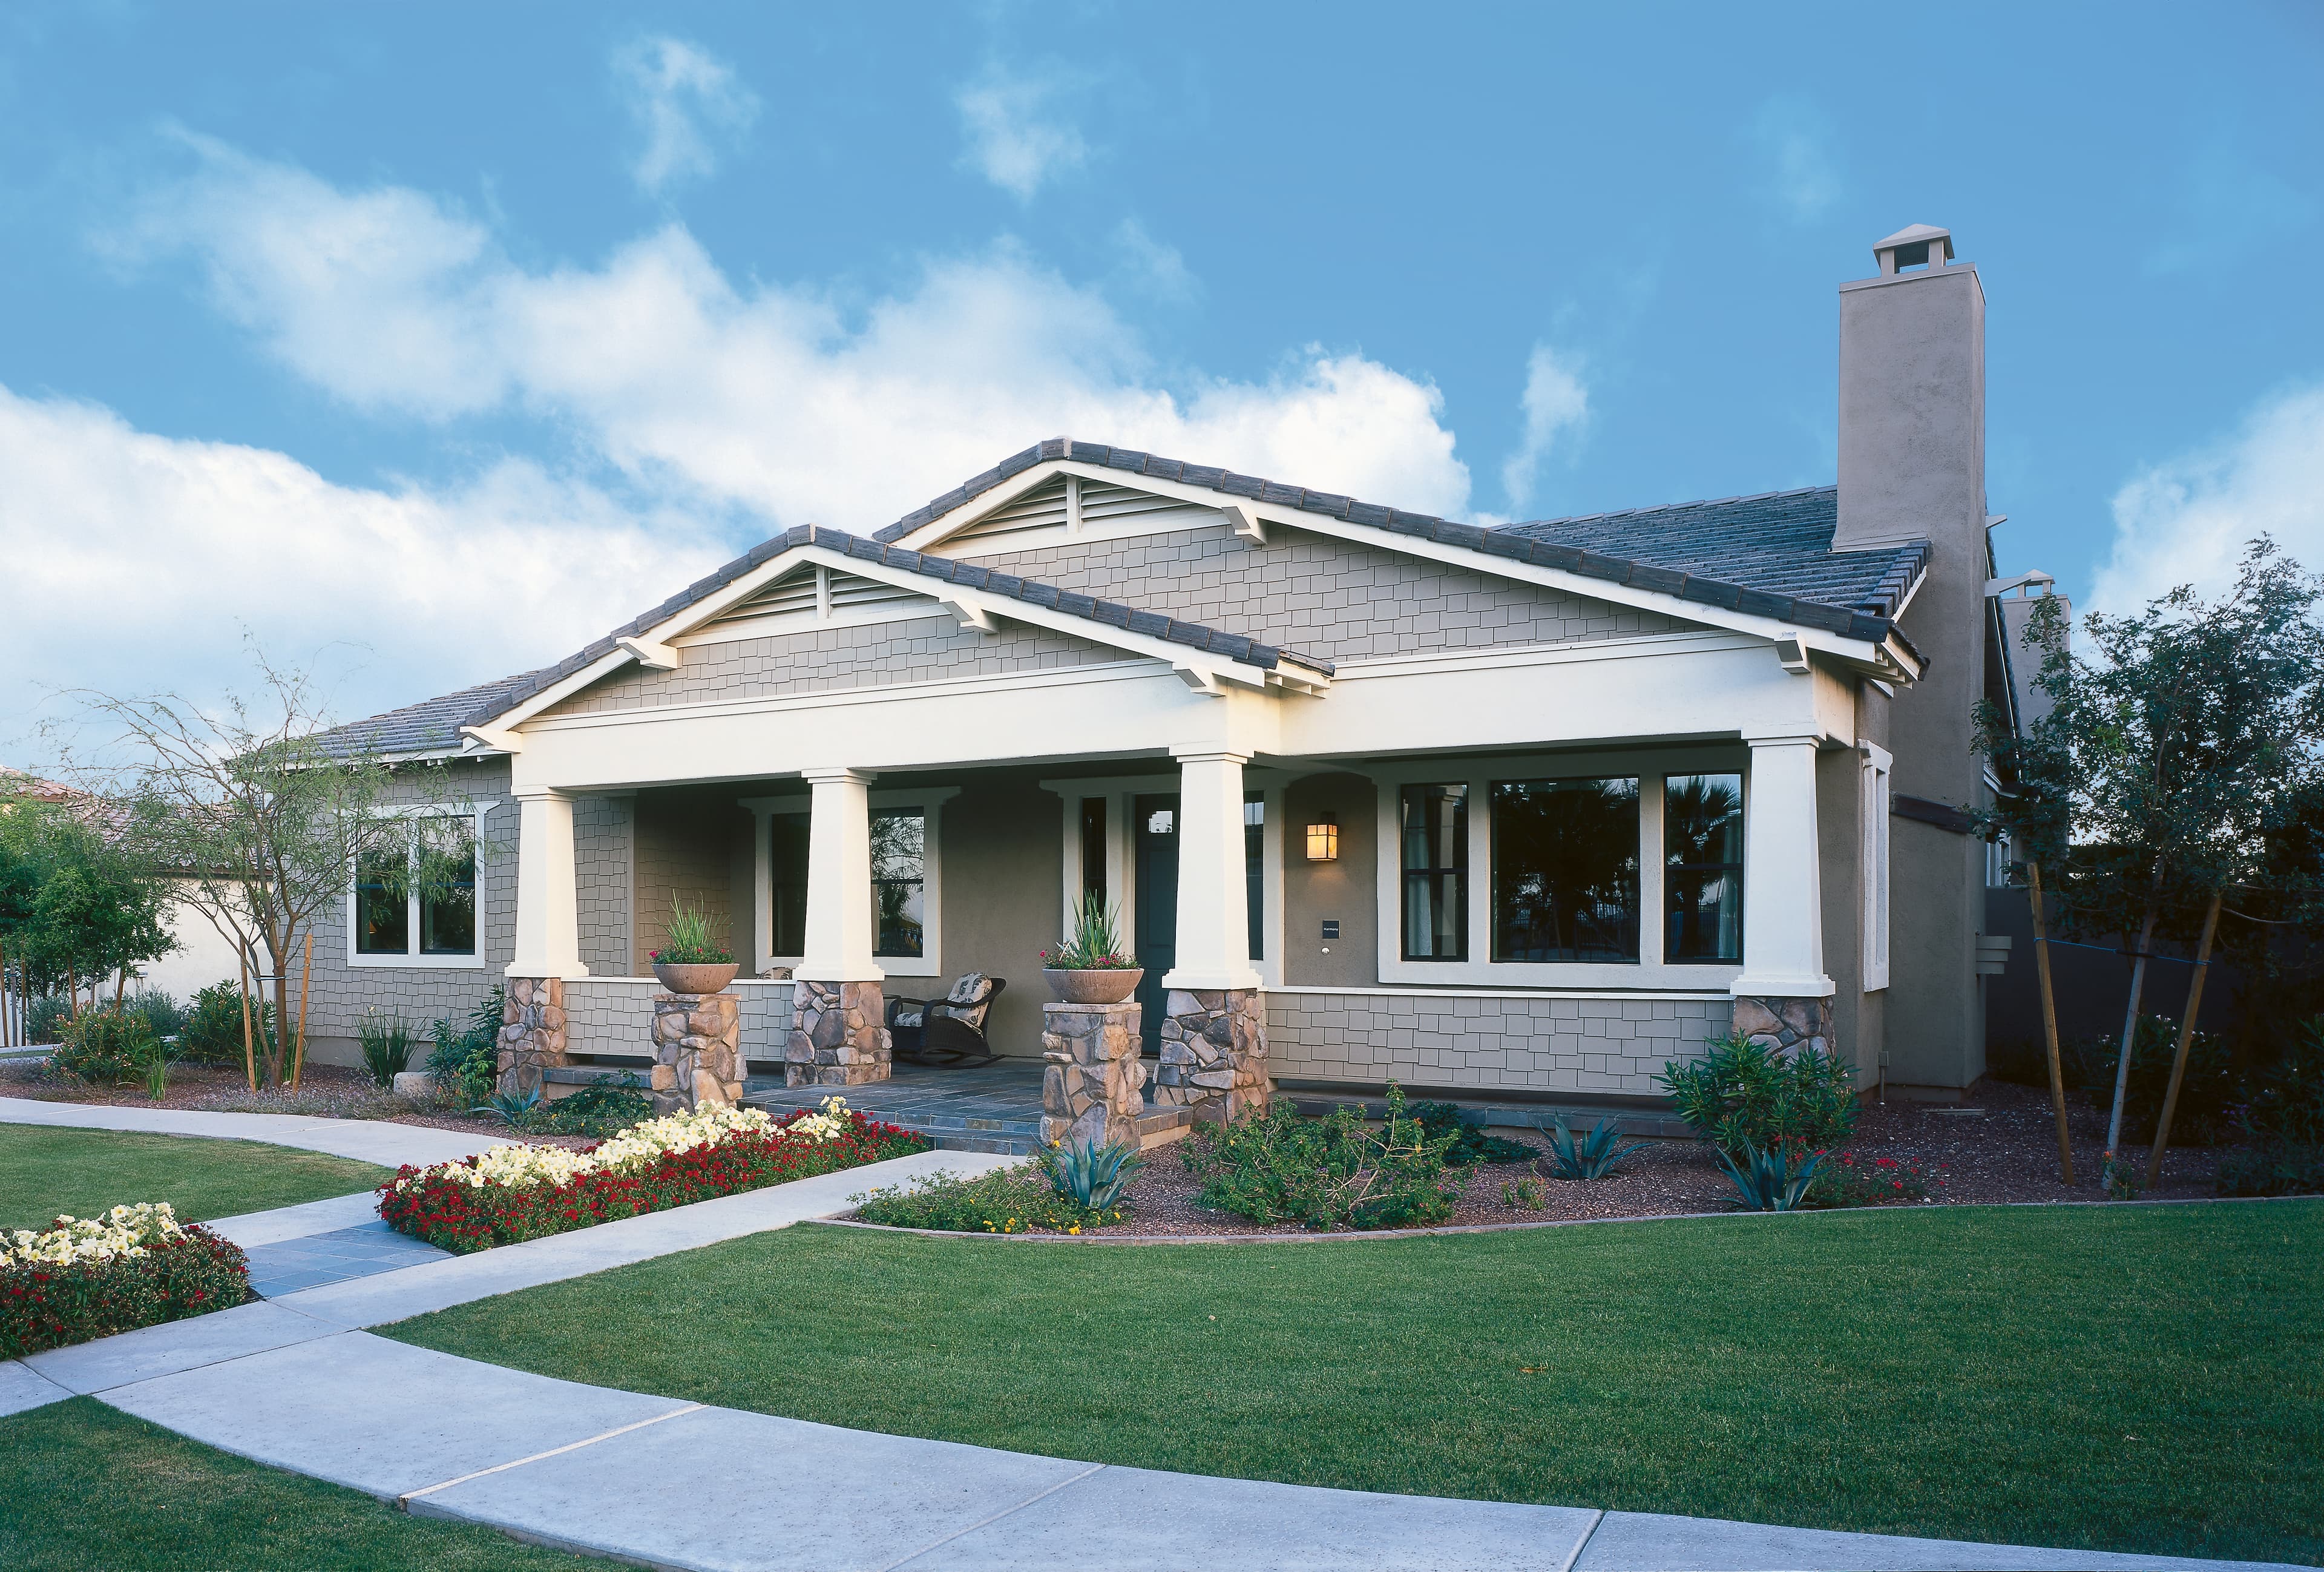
(1565, 870)
(899, 881)
(1702, 868)
(1434, 833)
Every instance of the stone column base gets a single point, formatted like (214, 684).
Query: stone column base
(1214, 1053)
(1091, 1085)
(1786, 1024)
(532, 1033)
(838, 1036)
(698, 1039)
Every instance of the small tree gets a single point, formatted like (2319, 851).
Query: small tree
(2172, 755)
(265, 822)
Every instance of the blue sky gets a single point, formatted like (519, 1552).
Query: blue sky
(428, 342)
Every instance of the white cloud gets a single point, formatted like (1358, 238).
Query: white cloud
(1799, 169)
(1015, 139)
(766, 395)
(2186, 520)
(1556, 403)
(682, 96)
(135, 561)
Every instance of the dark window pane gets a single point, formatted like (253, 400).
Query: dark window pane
(1702, 878)
(1254, 865)
(787, 884)
(383, 904)
(448, 912)
(1435, 837)
(1565, 870)
(899, 881)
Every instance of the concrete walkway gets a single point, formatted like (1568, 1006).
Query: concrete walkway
(295, 1382)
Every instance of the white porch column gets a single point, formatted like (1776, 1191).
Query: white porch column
(1783, 898)
(548, 910)
(839, 914)
(1213, 910)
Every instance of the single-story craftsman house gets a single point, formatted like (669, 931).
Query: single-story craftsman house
(1518, 812)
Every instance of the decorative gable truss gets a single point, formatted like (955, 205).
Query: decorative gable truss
(811, 578)
(1043, 496)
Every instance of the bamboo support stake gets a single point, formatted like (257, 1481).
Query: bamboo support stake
(249, 1049)
(2186, 1038)
(2050, 1024)
(306, 973)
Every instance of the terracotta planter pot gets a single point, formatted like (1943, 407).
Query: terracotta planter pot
(1109, 985)
(697, 978)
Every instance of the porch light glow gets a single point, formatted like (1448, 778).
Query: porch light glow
(1324, 840)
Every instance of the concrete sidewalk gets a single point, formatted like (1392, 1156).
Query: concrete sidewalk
(293, 1382)
(390, 1145)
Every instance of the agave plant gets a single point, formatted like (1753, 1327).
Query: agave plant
(1089, 1175)
(1772, 1181)
(511, 1108)
(1595, 1155)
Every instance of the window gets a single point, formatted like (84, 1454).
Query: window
(419, 899)
(1434, 832)
(899, 881)
(1703, 867)
(786, 883)
(1875, 858)
(1254, 868)
(1565, 870)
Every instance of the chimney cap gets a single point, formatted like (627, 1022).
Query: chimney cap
(1920, 237)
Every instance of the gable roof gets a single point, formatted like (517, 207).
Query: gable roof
(1537, 544)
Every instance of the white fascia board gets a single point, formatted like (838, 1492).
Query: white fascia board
(1249, 516)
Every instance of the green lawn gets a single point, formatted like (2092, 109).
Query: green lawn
(91, 1489)
(2141, 1378)
(45, 1171)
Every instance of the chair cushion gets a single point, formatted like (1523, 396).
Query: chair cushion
(970, 997)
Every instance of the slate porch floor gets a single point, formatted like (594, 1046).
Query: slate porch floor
(337, 1256)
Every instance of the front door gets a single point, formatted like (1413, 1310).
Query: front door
(1156, 914)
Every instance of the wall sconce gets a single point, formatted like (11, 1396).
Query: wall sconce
(1324, 838)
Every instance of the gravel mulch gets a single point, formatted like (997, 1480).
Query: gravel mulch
(2000, 1146)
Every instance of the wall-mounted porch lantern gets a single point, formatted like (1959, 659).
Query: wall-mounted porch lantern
(1324, 840)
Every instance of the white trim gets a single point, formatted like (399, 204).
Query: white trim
(1649, 974)
(474, 811)
(929, 800)
(1873, 861)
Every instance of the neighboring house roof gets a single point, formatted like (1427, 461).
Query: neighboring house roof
(1779, 542)
(1766, 555)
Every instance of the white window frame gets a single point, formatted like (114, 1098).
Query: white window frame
(473, 812)
(1649, 766)
(1873, 808)
(931, 801)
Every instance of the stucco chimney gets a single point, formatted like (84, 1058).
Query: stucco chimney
(1912, 400)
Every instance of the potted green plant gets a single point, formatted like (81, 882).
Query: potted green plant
(691, 960)
(1091, 964)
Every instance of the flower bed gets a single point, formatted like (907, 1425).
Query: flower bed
(513, 1193)
(91, 1277)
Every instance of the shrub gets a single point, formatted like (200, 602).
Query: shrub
(212, 1031)
(1007, 1200)
(110, 1047)
(132, 1267)
(1743, 1095)
(1094, 1177)
(604, 1108)
(45, 1017)
(1331, 1172)
(386, 1043)
(466, 1061)
(1776, 1180)
(2202, 1117)
(1594, 1156)
(513, 1193)
(1850, 1181)
(1471, 1145)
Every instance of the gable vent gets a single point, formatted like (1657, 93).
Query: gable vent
(1042, 508)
